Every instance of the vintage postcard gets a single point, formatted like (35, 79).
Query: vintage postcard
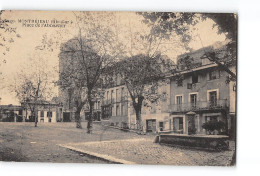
(153, 88)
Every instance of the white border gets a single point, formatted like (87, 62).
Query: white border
(248, 71)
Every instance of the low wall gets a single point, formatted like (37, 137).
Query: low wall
(209, 142)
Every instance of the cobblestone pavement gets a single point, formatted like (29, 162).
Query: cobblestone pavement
(24, 142)
(145, 151)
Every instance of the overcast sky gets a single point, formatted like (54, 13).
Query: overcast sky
(24, 48)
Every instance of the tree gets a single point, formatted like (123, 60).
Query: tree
(142, 76)
(143, 68)
(34, 84)
(181, 24)
(84, 58)
(80, 74)
(8, 34)
(212, 126)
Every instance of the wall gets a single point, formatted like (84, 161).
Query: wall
(201, 87)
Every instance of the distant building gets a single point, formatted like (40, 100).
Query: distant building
(46, 111)
(10, 113)
(68, 106)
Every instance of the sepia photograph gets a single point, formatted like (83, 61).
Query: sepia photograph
(118, 87)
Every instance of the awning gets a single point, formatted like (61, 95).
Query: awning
(190, 113)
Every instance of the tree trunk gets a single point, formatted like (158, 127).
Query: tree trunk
(139, 119)
(35, 118)
(138, 110)
(35, 122)
(90, 118)
(78, 119)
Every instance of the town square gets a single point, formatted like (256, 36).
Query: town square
(153, 88)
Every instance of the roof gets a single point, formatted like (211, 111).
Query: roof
(193, 59)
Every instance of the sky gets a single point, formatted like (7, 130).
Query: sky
(23, 48)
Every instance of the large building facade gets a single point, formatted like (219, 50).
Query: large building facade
(117, 109)
(201, 92)
(201, 96)
(195, 95)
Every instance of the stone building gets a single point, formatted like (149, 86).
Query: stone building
(201, 94)
(198, 92)
(117, 109)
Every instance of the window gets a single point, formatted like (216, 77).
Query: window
(117, 110)
(161, 126)
(122, 109)
(98, 105)
(112, 96)
(193, 100)
(213, 98)
(42, 113)
(49, 114)
(179, 102)
(179, 82)
(214, 74)
(117, 95)
(122, 93)
(195, 78)
(211, 118)
(178, 124)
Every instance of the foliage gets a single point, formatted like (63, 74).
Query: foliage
(181, 23)
(186, 63)
(84, 57)
(143, 75)
(167, 22)
(213, 125)
(8, 35)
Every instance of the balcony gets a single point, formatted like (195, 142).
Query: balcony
(199, 106)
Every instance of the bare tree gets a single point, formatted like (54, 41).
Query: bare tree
(34, 84)
(85, 57)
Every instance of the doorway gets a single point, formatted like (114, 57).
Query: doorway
(191, 124)
(151, 125)
(66, 116)
(178, 125)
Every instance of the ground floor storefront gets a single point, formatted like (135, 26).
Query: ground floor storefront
(200, 123)
(207, 122)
